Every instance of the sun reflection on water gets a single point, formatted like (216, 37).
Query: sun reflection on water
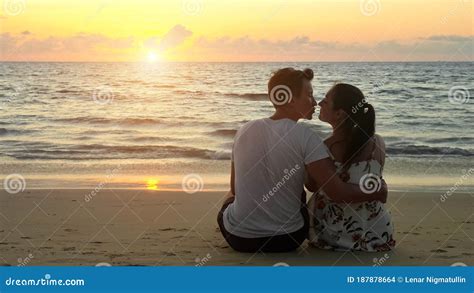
(152, 184)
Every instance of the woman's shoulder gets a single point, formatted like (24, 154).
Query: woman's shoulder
(379, 142)
(378, 149)
(373, 150)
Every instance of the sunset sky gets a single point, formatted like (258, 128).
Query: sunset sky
(244, 30)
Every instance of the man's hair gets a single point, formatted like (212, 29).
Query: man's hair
(291, 78)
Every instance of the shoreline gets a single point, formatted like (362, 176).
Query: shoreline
(419, 190)
(441, 189)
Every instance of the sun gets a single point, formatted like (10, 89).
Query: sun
(152, 57)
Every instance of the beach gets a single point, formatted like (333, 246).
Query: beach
(129, 165)
(136, 227)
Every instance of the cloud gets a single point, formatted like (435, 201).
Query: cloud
(91, 47)
(450, 38)
(25, 45)
(173, 38)
(302, 48)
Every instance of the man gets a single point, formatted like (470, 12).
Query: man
(266, 210)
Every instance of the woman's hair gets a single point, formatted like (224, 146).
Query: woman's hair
(360, 123)
(291, 78)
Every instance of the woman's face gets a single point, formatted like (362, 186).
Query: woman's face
(327, 113)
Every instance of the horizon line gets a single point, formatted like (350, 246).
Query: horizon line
(165, 62)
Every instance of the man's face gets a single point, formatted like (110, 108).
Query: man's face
(305, 104)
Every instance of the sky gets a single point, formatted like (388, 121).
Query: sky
(231, 30)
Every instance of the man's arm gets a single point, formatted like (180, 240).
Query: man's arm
(309, 183)
(323, 172)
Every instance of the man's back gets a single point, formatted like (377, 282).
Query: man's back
(269, 158)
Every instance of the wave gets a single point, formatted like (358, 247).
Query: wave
(94, 120)
(224, 132)
(188, 92)
(249, 96)
(125, 121)
(47, 151)
(64, 91)
(164, 86)
(182, 121)
(422, 88)
(98, 133)
(37, 101)
(7, 88)
(464, 139)
(394, 91)
(4, 131)
(427, 150)
(219, 155)
(153, 139)
(51, 151)
(141, 121)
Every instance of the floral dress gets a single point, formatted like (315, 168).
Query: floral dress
(365, 226)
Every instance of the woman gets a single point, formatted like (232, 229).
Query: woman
(359, 155)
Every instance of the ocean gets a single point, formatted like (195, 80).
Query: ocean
(152, 125)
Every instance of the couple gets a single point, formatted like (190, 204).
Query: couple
(274, 158)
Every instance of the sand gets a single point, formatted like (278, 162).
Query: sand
(150, 228)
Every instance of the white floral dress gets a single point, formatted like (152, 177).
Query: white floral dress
(365, 226)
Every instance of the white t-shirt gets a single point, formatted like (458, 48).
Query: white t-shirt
(269, 159)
